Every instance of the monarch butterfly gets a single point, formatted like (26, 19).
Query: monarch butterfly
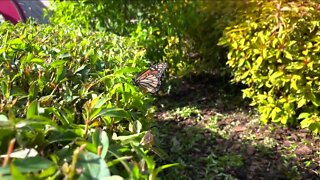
(150, 80)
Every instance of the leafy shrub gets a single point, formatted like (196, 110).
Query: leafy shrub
(182, 33)
(275, 52)
(203, 28)
(123, 17)
(62, 88)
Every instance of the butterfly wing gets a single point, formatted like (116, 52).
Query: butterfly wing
(150, 83)
(150, 80)
(160, 68)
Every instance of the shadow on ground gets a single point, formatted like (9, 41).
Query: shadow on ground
(205, 91)
(228, 143)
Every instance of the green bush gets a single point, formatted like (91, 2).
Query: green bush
(64, 87)
(182, 33)
(160, 38)
(275, 51)
(203, 28)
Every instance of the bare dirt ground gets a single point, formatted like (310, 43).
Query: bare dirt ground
(224, 139)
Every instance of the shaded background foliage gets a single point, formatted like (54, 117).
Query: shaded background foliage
(182, 33)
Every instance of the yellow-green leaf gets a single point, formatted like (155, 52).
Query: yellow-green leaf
(305, 123)
(304, 115)
(301, 103)
(288, 55)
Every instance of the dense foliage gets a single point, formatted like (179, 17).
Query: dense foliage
(123, 17)
(181, 33)
(275, 51)
(62, 88)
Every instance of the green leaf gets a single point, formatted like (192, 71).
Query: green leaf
(49, 172)
(304, 115)
(259, 61)
(38, 61)
(275, 75)
(275, 112)
(110, 112)
(94, 166)
(100, 137)
(32, 164)
(314, 127)
(265, 112)
(161, 168)
(6, 133)
(57, 63)
(135, 126)
(16, 41)
(89, 146)
(135, 173)
(61, 117)
(98, 102)
(5, 170)
(33, 91)
(284, 119)
(294, 80)
(241, 62)
(288, 55)
(60, 71)
(16, 174)
(120, 159)
(5, 89)
(150, 162)
(95, 138)
(64, 135)
(245, 74)
(311, 96)
(126, 139)
(264, 53)
(32, 109)
(79, 69)
(104, 140)
(301, 102)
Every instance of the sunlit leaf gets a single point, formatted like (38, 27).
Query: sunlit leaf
(304, 115)
(94, 166)
(38, 61)
(15, 172)
(32, 109)
(110, 112)
(301, 103)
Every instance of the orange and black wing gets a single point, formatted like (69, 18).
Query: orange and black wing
(150, 80)
(160, 68)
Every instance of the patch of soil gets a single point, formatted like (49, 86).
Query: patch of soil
(229, 141)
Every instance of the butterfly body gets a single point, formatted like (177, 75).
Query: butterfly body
(150, 80)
